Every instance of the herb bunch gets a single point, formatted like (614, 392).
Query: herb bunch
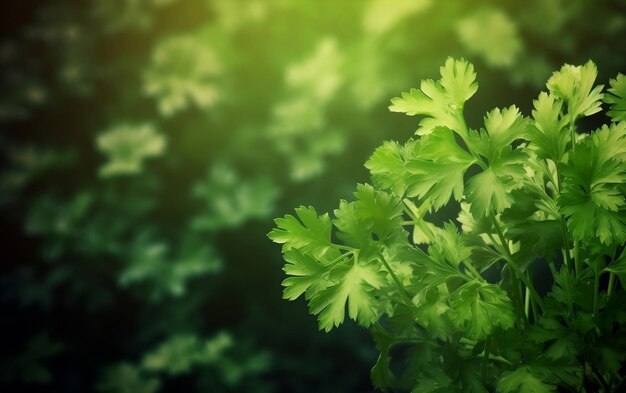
(456, 307)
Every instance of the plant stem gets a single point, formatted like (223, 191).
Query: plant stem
(596, 290)
(572, 131)
(401, 288)
(464, 134)
(577, 261)
(567, 260)
(486, 359)
(345, 248)
(609, 290)
(472, 270)
(515, 281)
(509, 258)
(498, 358)
(526, 302)
(552, 267)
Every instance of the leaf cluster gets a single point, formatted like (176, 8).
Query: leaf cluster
(458, 300)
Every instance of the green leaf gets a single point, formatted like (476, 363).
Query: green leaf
(126, 378)
(523, 380)
(590, 197)
(153, 264)
(230, 201)
(127, 146)
(539, 232)
(504, 126)
(487, 193)
(618, 267)
(435, 381)
(431, 309)
(351, 283)
(381, 375)
(489, 190)
(458, 80)
(492, 34)
(353, 229)
(388, 165)
(442, 101)
(309, 232)
(380, 210)
(616, 97)
(437, 171)
(471, 224)
(479, 308)
(574, 84)
(304, 271)
(559, 340)
(610, 142)
(180, 353)
(423, 231)
(449, 245)
(548, 135)
(609, 359)
(183, 72)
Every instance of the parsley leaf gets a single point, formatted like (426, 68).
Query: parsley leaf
(524, 380)
(352, 283)
(388, 165)
(304, 271)
(438, 172)
(441, 101)
(548, 134)
(489, 190)
(479, 308)
(593, 205)
(127, 146)
(309, 232)
(616, 96)
(574, 84)
(381, 211)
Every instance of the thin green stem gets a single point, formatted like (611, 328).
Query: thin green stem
(572, 131)
(500, 359)
(516, 284)
(397, 339)
(533, 306)
(577, 261)
(567, 260)
(339, 258)
(464, 134)
(344, 248)
(497, 358)
(596, 292)
(401, 288)
(609, 290)
(509, 258)
(486, 358)
(465, 340)
(552, 267)
(472, 270)
(526, 302)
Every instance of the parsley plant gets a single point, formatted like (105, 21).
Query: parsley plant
(457, 303)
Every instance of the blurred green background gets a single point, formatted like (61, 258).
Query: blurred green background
(146, 146)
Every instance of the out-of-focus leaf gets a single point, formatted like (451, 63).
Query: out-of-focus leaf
(127, 146)
(231, 201)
